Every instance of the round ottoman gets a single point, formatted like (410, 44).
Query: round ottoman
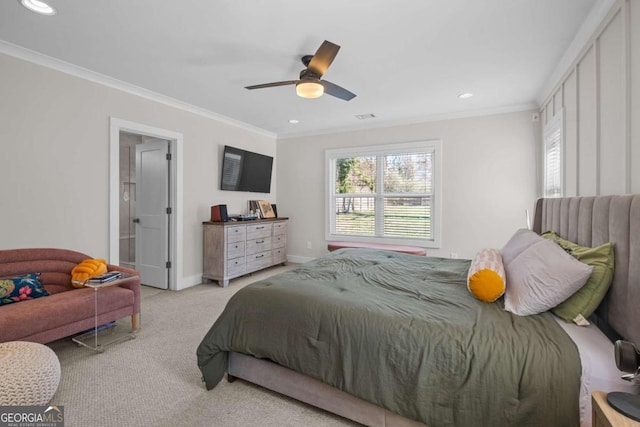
(30, 373)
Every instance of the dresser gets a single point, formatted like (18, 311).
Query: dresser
(233, 249)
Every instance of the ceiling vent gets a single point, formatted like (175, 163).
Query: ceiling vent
(365, 116)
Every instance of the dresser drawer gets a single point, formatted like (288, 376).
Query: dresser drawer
(279, 241)
(236, 234)
(258, 245)
(279, 228)
(279, 255)
(235, 249)
(257, 231)
(259, 260)
(235, 266)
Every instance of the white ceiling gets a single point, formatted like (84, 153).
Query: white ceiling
(407, 60)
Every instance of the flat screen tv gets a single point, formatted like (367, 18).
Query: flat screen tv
(245, 171)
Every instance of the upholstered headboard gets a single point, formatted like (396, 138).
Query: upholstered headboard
(592, 221)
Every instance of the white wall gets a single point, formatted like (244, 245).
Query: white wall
(489, 179)
(600, 98)
(54, 171)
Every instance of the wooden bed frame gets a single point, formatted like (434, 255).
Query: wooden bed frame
(588, 221)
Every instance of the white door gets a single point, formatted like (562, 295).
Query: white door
(152, 212)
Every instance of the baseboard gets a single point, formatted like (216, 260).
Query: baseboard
(188, 282)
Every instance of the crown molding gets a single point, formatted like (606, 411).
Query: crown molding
(415, 120)
(37, 58)
(83, 73)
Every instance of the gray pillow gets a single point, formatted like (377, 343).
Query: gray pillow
(541, 275)
(520, 241)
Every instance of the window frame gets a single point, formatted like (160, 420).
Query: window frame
(400, 148)
(553, 126)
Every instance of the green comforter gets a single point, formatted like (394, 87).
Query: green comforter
(403, 332)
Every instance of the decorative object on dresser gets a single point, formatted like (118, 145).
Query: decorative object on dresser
(219, 213)
(262, 209)
(265, 209)
(234, 249)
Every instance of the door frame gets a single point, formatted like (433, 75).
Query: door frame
(176, 197)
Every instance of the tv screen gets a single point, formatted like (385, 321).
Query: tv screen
(245, 171)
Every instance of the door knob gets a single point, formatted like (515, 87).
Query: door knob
(136, 220)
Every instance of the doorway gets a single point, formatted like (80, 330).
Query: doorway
(145, 207)
(145, 196)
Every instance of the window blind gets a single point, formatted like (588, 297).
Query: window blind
(552, 186)
(386, 193)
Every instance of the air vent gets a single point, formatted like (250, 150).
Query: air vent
(365, 116)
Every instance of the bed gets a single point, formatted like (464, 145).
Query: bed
(346, 333)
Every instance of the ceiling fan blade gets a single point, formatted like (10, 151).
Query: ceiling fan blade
(274, 84)
(323, 57)
(337, 91)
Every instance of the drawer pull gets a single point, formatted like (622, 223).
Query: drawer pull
(258, 242)
(259, 256)
(259, 228)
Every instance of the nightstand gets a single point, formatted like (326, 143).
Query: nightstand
(605, 416)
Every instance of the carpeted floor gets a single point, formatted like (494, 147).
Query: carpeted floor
(154, 380)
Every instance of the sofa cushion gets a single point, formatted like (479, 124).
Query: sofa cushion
(22, 320)
(21, 288)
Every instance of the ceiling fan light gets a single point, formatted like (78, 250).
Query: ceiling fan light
(38, 7)
(309, 89)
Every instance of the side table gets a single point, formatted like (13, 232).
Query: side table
(90, 339)
(605, 416)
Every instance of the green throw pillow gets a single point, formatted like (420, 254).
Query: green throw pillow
(585, 301)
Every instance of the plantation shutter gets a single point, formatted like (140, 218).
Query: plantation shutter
(553, 157)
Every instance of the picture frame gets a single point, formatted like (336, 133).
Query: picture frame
(265, 209)
(254, 208)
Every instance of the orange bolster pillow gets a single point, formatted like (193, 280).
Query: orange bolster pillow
(486, 278)
(86, 270)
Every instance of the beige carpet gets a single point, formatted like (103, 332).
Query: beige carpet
(154, 380)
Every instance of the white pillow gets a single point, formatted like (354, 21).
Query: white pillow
(541, 275)
(520, 241)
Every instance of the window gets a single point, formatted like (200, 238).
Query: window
(552, 135)
(384, 193)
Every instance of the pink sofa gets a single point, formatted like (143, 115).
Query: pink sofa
(67, 310)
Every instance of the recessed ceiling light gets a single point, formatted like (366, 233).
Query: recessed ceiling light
(38, 7)
(294, 121)
(465, 95)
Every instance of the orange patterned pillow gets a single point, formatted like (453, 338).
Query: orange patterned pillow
(486, 278)
(87, 269)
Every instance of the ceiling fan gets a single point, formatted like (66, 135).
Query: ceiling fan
(310, 84)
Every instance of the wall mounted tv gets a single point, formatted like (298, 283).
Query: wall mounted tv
(245, 171)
